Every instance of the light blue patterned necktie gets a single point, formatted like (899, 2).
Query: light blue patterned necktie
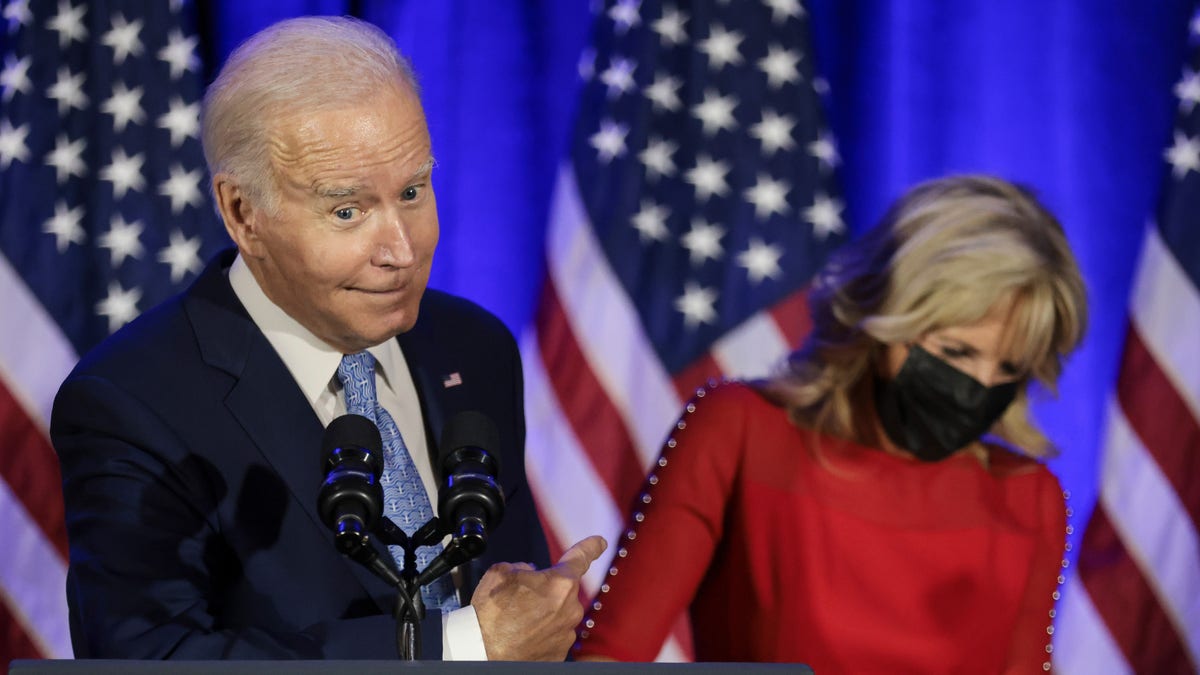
(404, 498)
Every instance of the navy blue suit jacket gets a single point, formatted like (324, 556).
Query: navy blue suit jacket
(191, 464)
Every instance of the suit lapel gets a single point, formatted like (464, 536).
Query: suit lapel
(423, 366)
(265, 400)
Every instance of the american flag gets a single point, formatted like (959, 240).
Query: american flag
(103, 213)
(698, 202)
(1133, 604)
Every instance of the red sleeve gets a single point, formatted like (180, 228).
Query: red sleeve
(1031, 636)
(678, 522)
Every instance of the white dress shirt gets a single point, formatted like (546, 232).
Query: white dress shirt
(313, 364)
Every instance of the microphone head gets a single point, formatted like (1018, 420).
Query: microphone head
(351, 500)
(352, 431)
(468, 429)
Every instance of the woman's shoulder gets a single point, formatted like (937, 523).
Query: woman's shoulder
(734, 395)
(1006, 461)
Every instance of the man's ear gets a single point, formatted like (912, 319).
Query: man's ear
(241, 215)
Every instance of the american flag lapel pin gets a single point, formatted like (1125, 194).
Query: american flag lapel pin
(452, 380)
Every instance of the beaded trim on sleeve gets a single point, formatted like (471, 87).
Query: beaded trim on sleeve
(645, 498)
(1062, 579)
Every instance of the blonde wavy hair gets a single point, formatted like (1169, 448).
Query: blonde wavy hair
(945, 253)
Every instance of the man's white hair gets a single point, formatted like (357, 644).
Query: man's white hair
(305, 64)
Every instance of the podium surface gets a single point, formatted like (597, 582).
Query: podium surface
(114, 667)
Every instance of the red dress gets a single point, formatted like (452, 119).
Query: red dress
(846, 558)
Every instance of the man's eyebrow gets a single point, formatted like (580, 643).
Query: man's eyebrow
(425, 169)
(336, 191)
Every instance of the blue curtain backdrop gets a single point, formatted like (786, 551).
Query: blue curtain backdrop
(1073, 98)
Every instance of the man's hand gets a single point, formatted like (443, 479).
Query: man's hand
(527, 614)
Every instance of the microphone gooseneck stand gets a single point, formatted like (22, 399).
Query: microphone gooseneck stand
(410, 609)
(351, 498)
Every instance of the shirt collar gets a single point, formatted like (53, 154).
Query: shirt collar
(312, 362)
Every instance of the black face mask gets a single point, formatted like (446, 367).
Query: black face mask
(932, 409)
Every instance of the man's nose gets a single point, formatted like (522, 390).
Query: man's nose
(393, 241)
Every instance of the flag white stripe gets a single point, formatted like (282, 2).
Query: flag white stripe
(34, 578)
(1083, 644)
(1166, 311)
(35, 359)
(573, 498)
(606, 324)
(753, 349)
(1154, 526)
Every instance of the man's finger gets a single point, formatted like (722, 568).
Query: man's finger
(577, 559)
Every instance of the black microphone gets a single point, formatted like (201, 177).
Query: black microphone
(351, 499)
(470, 501)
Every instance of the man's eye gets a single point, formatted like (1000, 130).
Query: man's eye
(347, 213)
(410, 193)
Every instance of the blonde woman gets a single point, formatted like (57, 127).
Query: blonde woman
(880, 506)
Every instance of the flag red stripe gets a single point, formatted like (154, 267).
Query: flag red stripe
(597, 422)
(30, 468)
(1126, 602)
(1162, 421)
(792, 317)
(14, 641)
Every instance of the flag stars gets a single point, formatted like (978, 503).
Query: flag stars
(715, 112)
(12, 143)
(618, 77)
(625, 15)
(68, 23)
(14, 77)
(769, 196)
(120, 306)
(664, 93)
(703, 242)
(123, 38)
(1188, 90)
(782, 10)
(17, 14)
(123, 240)
(67, 90)
(670, 26)
(774, 132)
(124, 172)
(721, 46)
(651, 222)
(697, 304)
(825, 214)
(183, 188)
(125, 106)
(708, 177)
(657, 158)
(1184, 155)
(182, 254)
(609, 141)
(182, 120)
(761, 261)
(780, 66)
(180, 54)
(824, 149)
(67, 158)
(66, 226)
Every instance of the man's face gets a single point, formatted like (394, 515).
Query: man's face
(347, 254)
